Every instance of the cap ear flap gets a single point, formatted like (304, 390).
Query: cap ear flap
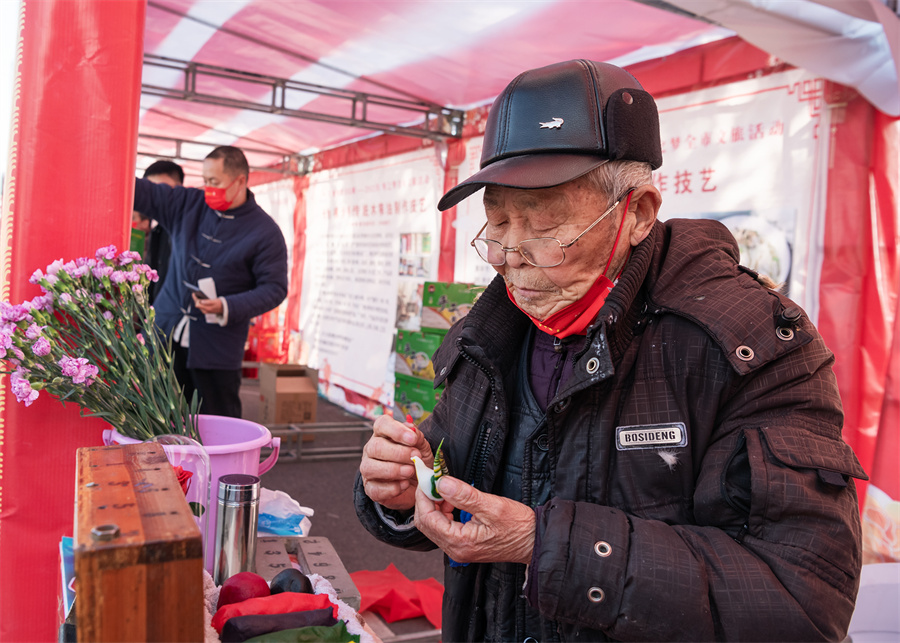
(632, 127)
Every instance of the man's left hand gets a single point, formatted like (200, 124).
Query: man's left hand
(208, 306)
(501, 530)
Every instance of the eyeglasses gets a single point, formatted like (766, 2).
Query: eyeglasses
(542, 252)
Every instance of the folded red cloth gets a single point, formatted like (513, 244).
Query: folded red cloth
(394, 597)
(275, 604)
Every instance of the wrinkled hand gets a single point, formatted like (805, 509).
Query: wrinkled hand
(501, 530)
(389, 477)
(208, 306)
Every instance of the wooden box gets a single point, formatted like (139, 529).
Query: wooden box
(138, 550)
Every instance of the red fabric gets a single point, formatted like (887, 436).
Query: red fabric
(714, 63)
(283, 603)
(78, 77)
(860, 275)
(295, 287)
(394, 597)
(456, 154)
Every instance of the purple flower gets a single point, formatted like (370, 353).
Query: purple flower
(107, 316)
(11, 313)
(132, 276)
(55, 267)
(152, 275)
(41, 347)
(86, 261)
(127, 257)
(106, 252)
(102, 270)
(18, 353)
(80, 271)
(137, 289)
(42, 302)
(22, 388)
(78, 368)
(118, 277)
(36, 277)
(34, 331)
(65, 298)
(6, 338)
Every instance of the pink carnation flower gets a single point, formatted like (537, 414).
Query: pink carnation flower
(41, 347)
(55, 267)
(42, 302)
(34, 331)
(106, 252)
(22, 389)
(78, 368)
(118, 277)
(127, 257)
(102, 270)
(80, 271)
(11, 313)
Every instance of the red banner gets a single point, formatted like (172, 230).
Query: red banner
(69, 192)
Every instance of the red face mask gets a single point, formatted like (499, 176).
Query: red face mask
(577, 316)
(215, 197)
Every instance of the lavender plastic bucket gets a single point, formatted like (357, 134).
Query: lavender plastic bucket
(233, 446)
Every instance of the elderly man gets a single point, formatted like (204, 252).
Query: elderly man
(219, 233)
(644, 441)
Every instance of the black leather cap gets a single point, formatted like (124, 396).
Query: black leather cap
(556, 123)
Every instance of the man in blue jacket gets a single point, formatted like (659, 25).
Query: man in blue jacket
(219, 233)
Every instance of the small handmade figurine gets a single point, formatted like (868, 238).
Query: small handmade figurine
(427, 477)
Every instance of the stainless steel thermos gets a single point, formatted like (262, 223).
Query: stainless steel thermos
(237, 515)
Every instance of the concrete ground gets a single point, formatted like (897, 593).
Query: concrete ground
(326, 487)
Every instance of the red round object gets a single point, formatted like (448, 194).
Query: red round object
(242, 586)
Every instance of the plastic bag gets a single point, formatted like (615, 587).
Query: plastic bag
(281, 515)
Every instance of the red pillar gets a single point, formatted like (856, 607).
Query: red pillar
(69, 192)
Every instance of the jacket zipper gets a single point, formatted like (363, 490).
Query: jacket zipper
(482, 446)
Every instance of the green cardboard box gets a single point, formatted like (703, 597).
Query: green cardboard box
(445, 303)
(414, 349)
(415, 397)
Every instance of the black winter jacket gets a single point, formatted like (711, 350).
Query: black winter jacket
(747, 529)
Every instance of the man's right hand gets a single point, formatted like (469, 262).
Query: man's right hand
(388, 474)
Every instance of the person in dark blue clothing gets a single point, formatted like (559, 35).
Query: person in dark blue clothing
(158, 245)
(223, 242)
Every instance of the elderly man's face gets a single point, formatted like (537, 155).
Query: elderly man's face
(563, 212)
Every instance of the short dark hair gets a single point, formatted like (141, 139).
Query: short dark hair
(168, 168)
(233, 160)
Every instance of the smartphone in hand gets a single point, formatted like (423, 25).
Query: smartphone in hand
(194, 289)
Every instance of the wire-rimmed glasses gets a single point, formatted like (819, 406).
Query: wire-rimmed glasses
(540, 252)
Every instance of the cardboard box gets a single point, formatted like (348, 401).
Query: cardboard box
(288, 393)
(414, 350)
(445, 303)
(416, 397)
